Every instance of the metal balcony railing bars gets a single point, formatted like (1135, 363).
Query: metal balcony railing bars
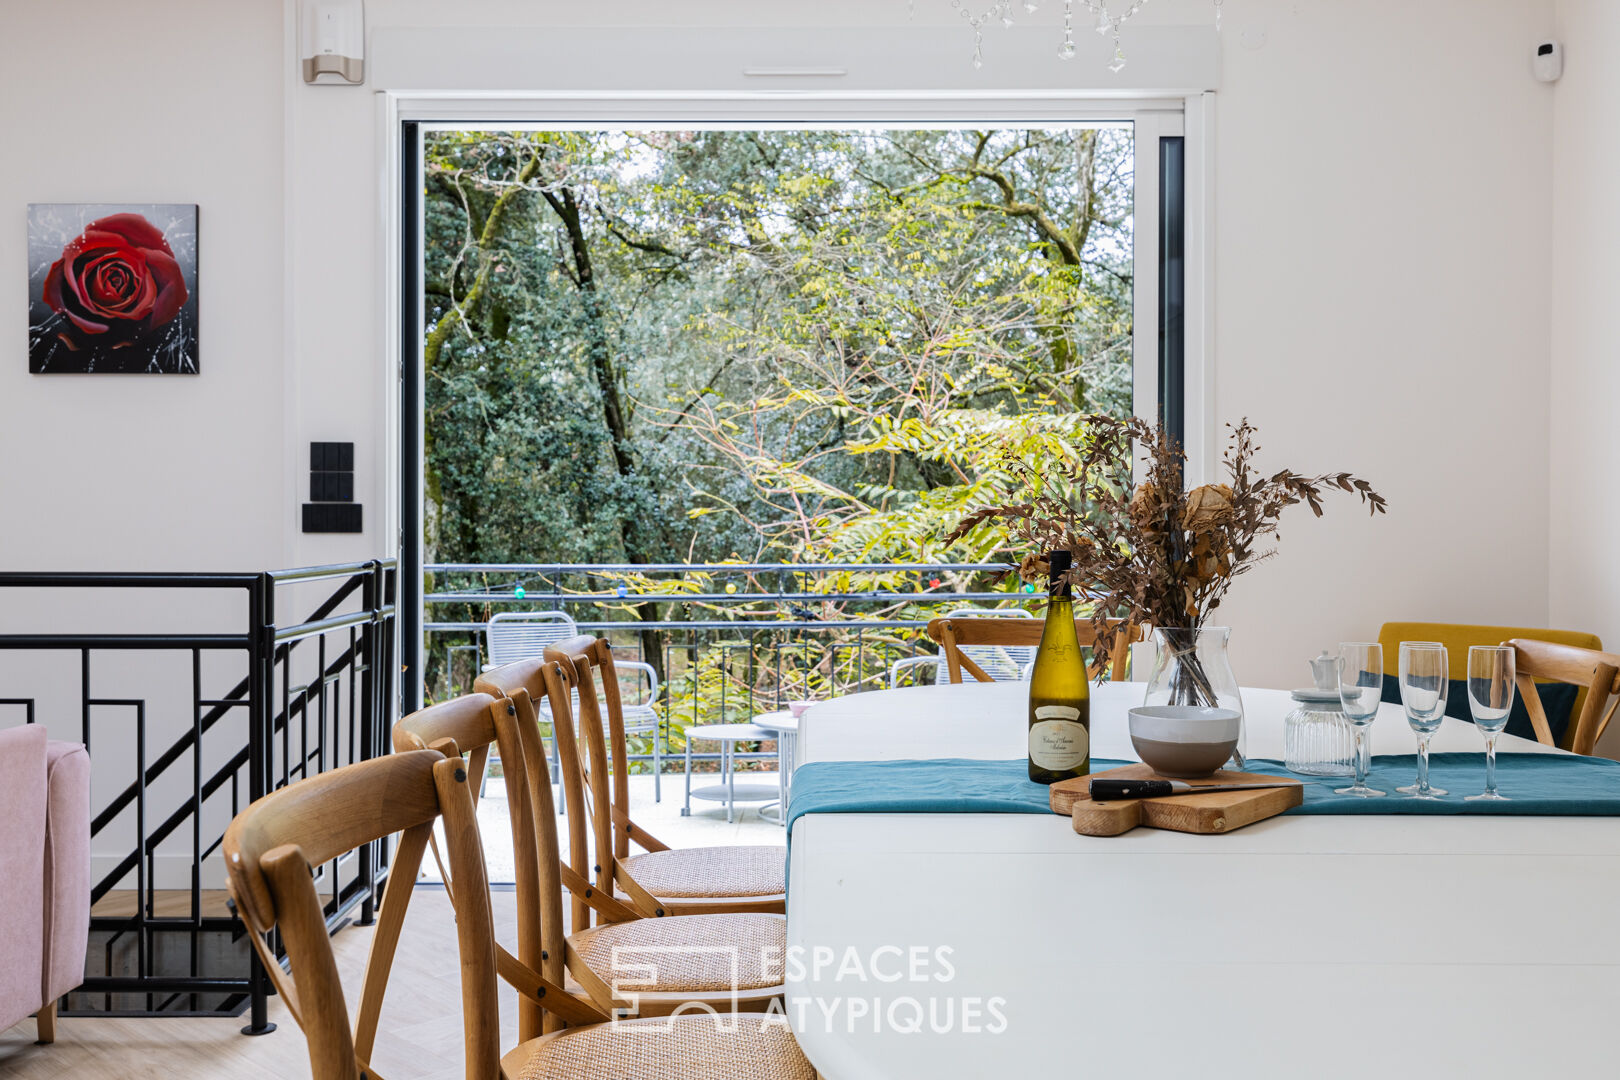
(298, 698)
(728, 639)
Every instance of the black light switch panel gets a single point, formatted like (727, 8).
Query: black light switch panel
(331, 507)
(331, 487)
(331, 457)
(332, 518)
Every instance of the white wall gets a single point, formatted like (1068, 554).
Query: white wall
(1384, 198)
(1584, 515)
(1381, 290)
(103, 101)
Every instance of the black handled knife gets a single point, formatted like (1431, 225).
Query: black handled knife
(1103, 789)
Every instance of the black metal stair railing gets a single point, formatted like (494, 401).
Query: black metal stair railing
(169, 945)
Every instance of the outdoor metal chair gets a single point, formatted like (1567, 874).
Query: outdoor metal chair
(1003, 663)
(522, 635)
(511, 636)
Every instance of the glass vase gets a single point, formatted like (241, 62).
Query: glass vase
(1192, 667)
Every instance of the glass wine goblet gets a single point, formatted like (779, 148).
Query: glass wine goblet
(1424, 682)
(1361, 685)
(1490, 699)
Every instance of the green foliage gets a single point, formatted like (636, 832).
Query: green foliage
(799, 345)
(797, 329)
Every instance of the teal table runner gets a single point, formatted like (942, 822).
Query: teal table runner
(1535, 784)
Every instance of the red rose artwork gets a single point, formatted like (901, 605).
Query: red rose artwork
(113, 293)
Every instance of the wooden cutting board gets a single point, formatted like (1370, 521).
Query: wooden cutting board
(1217, 812)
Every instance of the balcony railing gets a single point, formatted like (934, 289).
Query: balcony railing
(728, 639)
(194, 698)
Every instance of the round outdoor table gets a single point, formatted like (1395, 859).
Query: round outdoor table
(729, 792)
(786, 727)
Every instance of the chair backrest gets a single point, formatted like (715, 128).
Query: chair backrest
(524, 635)
(956, 636)
(1003, 663)
(273, 845)
(581, 670)
(581, 674)
(522, 685)
(469, 725)
(1597, 673)
(1457, 637)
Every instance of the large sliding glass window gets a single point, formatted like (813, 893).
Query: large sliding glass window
(771, 343)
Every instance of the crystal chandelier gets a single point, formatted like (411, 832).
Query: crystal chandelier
(1107, 23)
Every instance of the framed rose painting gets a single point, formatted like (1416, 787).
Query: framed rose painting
(112, 288)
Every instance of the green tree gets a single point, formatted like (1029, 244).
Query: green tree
(696, 346)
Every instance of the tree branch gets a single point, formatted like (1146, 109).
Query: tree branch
(457, 315)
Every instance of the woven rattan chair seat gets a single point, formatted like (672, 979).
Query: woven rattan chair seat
(686, 953)
(684, 1048)
(710, 871)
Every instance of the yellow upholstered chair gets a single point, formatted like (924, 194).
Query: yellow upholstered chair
(1457, 637)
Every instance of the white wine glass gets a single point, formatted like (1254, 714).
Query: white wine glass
(1361, 686)
(1490, 699)
(1424, 680)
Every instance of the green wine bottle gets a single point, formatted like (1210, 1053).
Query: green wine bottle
(1059, 700)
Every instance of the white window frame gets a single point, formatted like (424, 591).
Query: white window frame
(1153, 117)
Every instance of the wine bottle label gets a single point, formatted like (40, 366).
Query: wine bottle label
(1057, 739)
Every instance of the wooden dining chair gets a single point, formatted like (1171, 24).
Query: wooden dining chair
(953, 635)
(1596, 673)
(270, 850)
(666, 967)
(523, 685)
(1457, 637)
(1003, 663)
(659, 880)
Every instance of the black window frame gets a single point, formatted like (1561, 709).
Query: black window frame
(1173, 287)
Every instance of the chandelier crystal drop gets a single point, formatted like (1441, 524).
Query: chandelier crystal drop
(1108, 21)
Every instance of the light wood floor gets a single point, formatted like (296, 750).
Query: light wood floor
(420, 1037)
(166, 903)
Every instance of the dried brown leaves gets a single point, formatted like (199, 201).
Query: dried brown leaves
(1155, 553)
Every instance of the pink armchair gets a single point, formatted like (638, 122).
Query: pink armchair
(44, 874)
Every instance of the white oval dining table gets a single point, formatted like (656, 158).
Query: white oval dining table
(1316, 946)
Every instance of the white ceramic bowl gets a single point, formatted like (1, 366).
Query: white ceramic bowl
(1184, 741)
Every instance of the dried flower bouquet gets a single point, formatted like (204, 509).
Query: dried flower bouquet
(1157, 553)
